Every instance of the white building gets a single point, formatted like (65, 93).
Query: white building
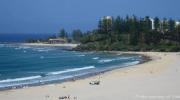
(161, 23)
(57, 41)
(106, 18)
(177, 23)
(152, 22)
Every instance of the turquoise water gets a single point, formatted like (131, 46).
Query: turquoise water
(27, 65)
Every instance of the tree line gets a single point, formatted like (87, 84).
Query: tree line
(73, 37)
(130, 33)
(133, 34)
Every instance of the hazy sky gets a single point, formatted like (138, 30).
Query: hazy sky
(46, 16)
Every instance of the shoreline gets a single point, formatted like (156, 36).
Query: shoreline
(117, 81)
(66, 46)
(54, 45)
(144, 59)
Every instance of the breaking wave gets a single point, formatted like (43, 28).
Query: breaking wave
(95, 58)
(113, 59)
(20, 79)
(71, 70)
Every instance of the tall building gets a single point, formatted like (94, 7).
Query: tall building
(177, 23)
(152, 23)
(162, 28)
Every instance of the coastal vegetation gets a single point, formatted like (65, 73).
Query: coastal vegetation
(75, 37)
(133, 34)
(129, 33)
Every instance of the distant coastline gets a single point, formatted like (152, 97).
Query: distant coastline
(68, 45)
(130, 33)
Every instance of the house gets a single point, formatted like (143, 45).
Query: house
(57, 41)
(152, 23)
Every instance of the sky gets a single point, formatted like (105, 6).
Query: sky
(49, 16)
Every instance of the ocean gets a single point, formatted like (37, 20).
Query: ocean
(22, 65)
(21, 37)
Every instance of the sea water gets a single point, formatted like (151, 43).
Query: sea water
(22, 65)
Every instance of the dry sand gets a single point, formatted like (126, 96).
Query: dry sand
(154, 80)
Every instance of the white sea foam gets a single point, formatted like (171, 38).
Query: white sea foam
(24, 47)
(135, 62)
(21, 47)
(80, 55)
(119, 54)
(113, 59)
(124, 58)
(56, 78)
(13, 85)
(132, 63)
(20, 79)
(71, 70)
(42, 49)
(105, 60)
(95, 58)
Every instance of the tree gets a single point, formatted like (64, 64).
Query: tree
(106, 23)
(171, 25)
(77, 35)
(148, 24)
(165, 25)
(132, 33)
(63, 34)
(100, 26)
(157, 23)
(178, 33)
(117, 25)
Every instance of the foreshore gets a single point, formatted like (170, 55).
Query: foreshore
(71, 45)
(152, 80)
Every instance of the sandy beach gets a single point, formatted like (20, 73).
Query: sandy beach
(54, 45)
(157, 79)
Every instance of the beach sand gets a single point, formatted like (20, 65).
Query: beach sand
(54, 45)
(157, 79)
